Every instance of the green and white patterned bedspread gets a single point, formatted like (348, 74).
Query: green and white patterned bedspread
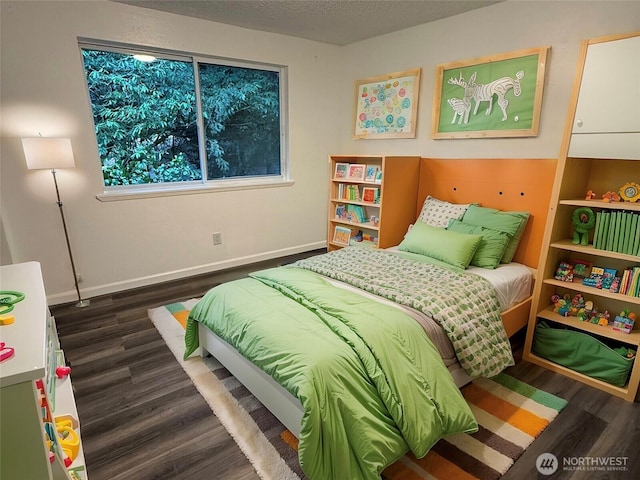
(464, 304)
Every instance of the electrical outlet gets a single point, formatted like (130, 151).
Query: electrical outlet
(79, 278)
(217, 238)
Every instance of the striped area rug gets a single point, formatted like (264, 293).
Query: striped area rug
(510, 414)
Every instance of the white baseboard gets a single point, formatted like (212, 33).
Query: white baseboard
(87, 293)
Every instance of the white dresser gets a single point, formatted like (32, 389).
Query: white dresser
(24, 453)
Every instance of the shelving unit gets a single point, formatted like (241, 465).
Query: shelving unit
(396, 206)
(598, 155)
(23, 444)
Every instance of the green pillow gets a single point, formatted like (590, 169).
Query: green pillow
(454, 248)
(511, 223)
(492, 245)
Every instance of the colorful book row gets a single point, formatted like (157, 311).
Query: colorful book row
(352, 192)
(617, 231)
(348, 192)
(351, 213)
(630, 282)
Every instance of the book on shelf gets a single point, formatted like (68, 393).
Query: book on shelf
(613, 233)
(341, 170)
(621, 229)
(630, 282)
(624, 282)
(634, 289)
(355, 213)
(608, 277)
(341, 212)
(627, 233)
(348, 191)
(600, 277)
(633, 233)
(356, 172)
(371, 172)
(636, 241)
(370, 194)
(596, 229)
(378, 177)
(617, 231)
(341, 235)
(604, 230)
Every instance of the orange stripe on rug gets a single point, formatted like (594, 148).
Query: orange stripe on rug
(181, 317)
(519, 418)
(504, 408)
(290, 439)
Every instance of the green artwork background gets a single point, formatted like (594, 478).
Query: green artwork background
(522, 106)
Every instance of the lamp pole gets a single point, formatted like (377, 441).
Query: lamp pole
(81, 302)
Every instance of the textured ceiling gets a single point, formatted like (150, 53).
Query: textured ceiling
(338, 22)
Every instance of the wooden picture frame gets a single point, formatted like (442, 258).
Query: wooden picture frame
(357, 172)
(489, 97)
(387, 105)
(341, 235)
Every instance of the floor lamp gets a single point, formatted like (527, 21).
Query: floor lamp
(52, 153)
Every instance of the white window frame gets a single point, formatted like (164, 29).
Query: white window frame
(126, 192)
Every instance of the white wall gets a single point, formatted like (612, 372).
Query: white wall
(504, 27)
(122, 244)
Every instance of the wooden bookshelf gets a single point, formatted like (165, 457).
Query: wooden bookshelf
(600, 153)
(394, 211)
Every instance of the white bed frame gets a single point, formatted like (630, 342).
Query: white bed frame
(530, 190)
(271, 394)
(284, 406)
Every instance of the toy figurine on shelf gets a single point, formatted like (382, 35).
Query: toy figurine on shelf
(583, 220)
(611, 197)
(590, 195)
(577, 304)
(561, 305)
(624, 321)
(601, 318)
(585, 313)
(630, 192)
(564, 272)
(581, 268)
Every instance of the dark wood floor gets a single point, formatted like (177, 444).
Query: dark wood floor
(142, 418)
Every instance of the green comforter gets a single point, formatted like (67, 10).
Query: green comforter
(465, 305)
(371, 383)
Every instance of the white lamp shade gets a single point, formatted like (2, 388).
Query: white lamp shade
(48, 153)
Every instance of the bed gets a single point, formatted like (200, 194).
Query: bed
(360, 352)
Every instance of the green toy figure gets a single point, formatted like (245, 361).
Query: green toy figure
(583, 220)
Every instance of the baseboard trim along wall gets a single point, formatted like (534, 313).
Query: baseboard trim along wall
(70, 295)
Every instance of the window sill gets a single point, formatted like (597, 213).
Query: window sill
(150, 191)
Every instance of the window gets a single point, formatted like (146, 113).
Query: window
(169, 120)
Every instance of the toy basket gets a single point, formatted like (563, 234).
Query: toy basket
(581, 352)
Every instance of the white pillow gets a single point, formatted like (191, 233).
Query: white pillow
(438, 213)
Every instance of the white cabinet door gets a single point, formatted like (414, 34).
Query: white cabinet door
(609, 100)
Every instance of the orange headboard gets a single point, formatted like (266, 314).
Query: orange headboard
(510, 184)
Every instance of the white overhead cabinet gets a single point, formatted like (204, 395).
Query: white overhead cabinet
(607, 117)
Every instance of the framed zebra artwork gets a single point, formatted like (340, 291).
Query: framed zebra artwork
(489, 97)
